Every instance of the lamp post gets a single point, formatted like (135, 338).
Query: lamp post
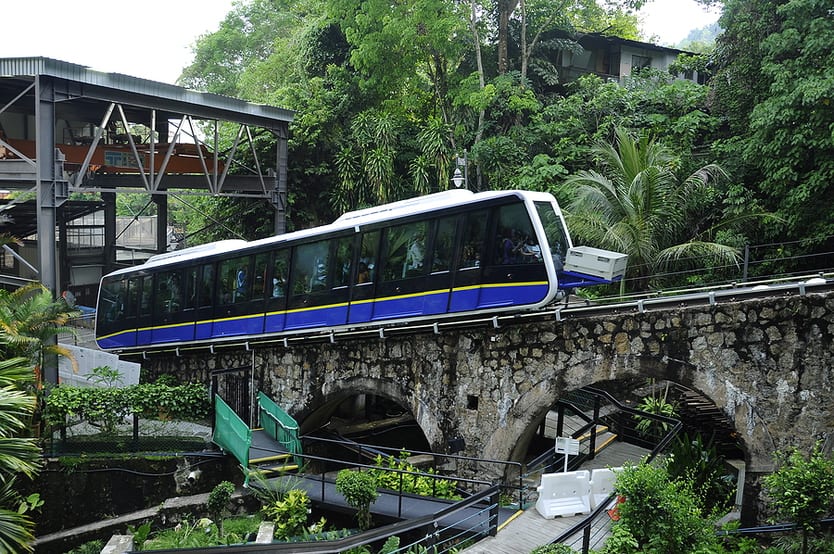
(461, 178)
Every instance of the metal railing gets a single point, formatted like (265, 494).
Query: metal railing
(279, 425)
(664, 432)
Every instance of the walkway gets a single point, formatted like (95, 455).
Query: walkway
(529, 530)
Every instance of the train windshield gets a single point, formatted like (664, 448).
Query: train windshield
(555, 231)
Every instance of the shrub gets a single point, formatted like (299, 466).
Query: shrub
(289, 514)
(359, 490)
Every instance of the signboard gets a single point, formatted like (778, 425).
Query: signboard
(568, 447)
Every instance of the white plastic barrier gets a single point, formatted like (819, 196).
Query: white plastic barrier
(564, 494)
(602, 484)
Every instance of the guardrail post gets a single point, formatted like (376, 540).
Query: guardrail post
(494, 499)
(592, 446)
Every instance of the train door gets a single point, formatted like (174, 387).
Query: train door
(415, 272)
(239, 298)
(466, 293)
(362, 295)
(320, 283)
(202, 279)
(171, 321)
(515, 273)
(276, 302)
(144, 312)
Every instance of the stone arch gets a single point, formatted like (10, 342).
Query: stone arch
(336, 391)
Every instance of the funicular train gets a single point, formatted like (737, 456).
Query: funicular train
(450, 254)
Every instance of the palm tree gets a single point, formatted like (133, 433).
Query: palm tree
(30, 321)
(18, 455)
(636, 205)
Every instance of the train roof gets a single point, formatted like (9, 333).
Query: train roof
(354, 219)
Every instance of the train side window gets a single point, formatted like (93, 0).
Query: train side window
(342, 262)
(192, 287)
(206, 285)
(113, 296)
(260, 276)
(444, 245)
(145, 296)
(279, 273)
(554, 230)
(235, 281)
(168, 292)
(309, 267)
(366, 269)
(514, 231)
(472, 245)
(132, 304)
(404, 251)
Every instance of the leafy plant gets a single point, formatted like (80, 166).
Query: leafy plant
(218, 501)
(553, 549)
(802, 489)
(105, 375)
(289, 514)
(657, 405)
(410, 479)
(359, 490)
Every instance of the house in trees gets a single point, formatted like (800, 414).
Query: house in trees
(616, 58)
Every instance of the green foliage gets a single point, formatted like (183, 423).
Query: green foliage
(289, 514)
(660, 514)
(657, 405)
(108, 406)
(218, 500)
(802, 489)
(700, 463)
(105, 375)
(553, 549)
(359, 490)
(91, 547)
(410, 479)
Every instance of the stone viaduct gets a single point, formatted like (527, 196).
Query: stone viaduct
(766, 362)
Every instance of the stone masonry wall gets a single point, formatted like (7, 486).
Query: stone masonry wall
(766, 362)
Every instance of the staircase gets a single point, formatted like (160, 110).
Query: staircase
(272, 448)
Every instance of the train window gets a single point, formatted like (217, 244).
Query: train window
(192, 287)
(113, 296)
(342, 261)
(168, 292)
(404, 251)
(309, 267)
(444, 245)
(206, 286)
(132, 304)
(514, 235)
(368, 248)
(554, 230)
(279, 273)
(472, 247)
(235, 281)
(145, 296)
(259, 282)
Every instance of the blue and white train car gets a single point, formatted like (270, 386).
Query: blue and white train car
(448, 254)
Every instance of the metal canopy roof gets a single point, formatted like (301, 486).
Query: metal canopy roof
(172, 100)
(20, 219)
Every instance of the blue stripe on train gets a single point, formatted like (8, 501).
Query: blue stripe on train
(406, 306)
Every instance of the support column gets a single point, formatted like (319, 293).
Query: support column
(109, 199)
(161, 201)
(51, 193)
(279, 194)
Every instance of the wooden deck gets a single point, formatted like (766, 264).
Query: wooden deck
(528, 530)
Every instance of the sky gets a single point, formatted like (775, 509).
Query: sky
(152, 39)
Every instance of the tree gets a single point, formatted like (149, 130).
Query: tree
(802, 489)
(635, 204)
